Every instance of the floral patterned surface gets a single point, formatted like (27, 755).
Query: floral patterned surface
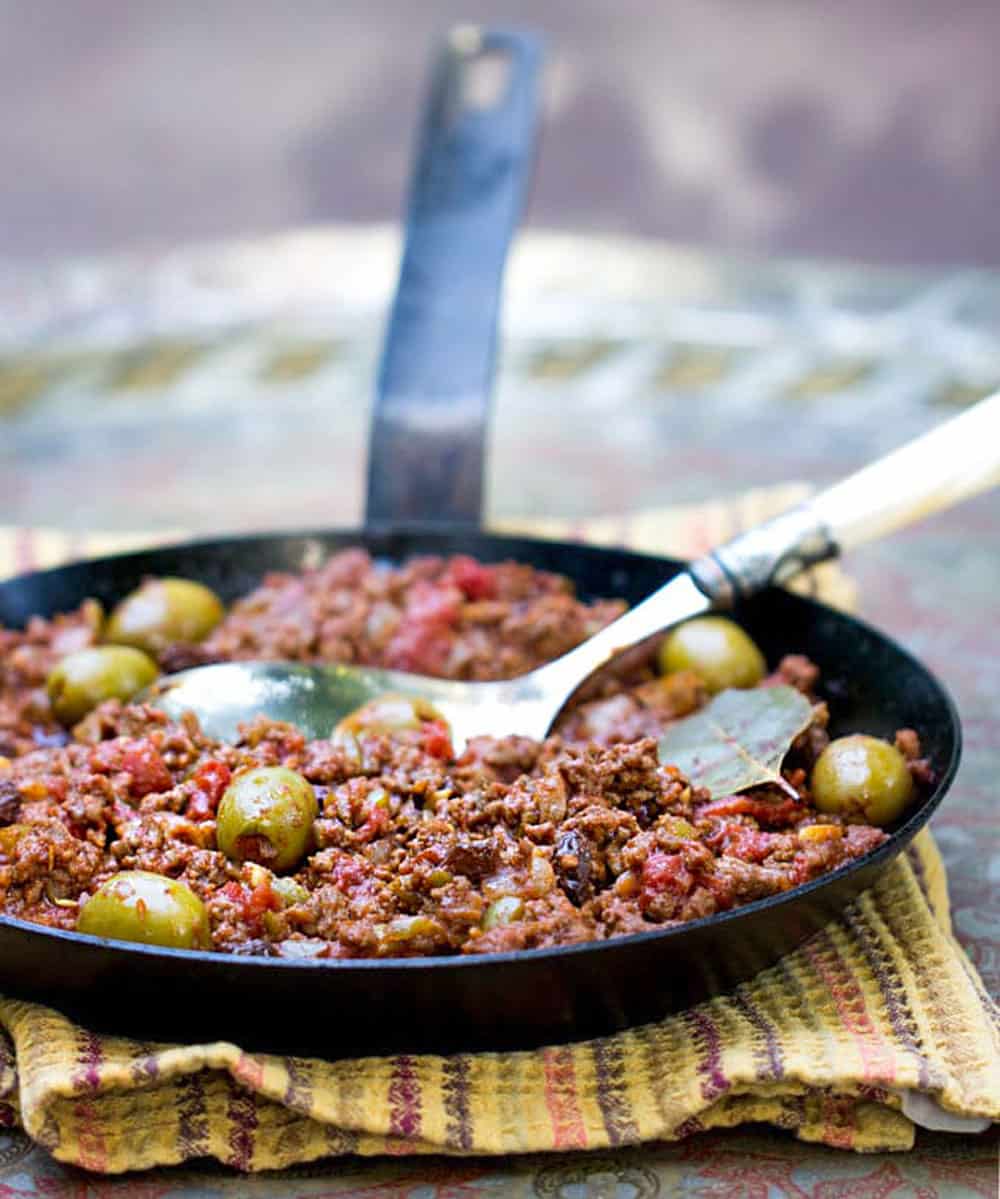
(740, 1165)
(703, 375)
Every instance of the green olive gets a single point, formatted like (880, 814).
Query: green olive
(715, 649)
(266, 815)
(163, 611)
(862, 777)
(387, 714)
(137, 905)
(82, 680)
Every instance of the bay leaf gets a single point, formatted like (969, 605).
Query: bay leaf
(739, 740)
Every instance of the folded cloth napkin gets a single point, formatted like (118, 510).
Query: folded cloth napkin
(876, 1022)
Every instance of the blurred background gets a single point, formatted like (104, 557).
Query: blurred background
(758, 249)
(801, 127)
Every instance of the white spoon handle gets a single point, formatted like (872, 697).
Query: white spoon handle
(951, 463)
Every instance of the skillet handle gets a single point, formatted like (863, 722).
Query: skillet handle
(473, 163)
(953, 462)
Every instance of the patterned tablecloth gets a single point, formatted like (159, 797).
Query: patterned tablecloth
(228, 387)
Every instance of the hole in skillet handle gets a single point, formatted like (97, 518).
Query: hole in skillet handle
(485, 80)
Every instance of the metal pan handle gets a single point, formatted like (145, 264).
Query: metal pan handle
(432, 400)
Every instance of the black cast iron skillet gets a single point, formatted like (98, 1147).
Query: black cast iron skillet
(426, 463)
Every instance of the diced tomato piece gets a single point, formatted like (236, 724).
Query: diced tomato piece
(664, 872)
(667, 872)
(262, 899)
(721, 890)
(419, 648)
(764, 811)
(199, 808)
(348, 872)
(422, 642)
(740, 841)
(376, 823)
(211, 780)
(233, 891)
(752, 847)
(437, 606)
(472, 578)
(723, 831)
(213, 777)
(252, 902)
(76, 829)
(435, 854)
(437, 740)
(148, 770)
(106, 757)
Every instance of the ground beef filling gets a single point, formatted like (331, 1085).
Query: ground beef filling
(513, 845)
(455, 618)
(26, 720)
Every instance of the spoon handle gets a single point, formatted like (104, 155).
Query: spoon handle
(951, 463)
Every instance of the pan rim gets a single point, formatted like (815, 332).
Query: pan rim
(895, 845)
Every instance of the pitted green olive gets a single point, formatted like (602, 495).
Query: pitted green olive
(715, 649)
(862, 777)
(266, 815)
(137, 905)
(83, 680)
(163, 611)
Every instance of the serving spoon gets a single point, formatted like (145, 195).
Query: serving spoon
(951, 463)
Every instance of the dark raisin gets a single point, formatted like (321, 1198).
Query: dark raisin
(10, 803)
(574, 866)
(471, 857)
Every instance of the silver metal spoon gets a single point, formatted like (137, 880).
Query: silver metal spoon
(951, 463)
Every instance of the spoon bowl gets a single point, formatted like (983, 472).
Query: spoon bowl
(316, 698)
